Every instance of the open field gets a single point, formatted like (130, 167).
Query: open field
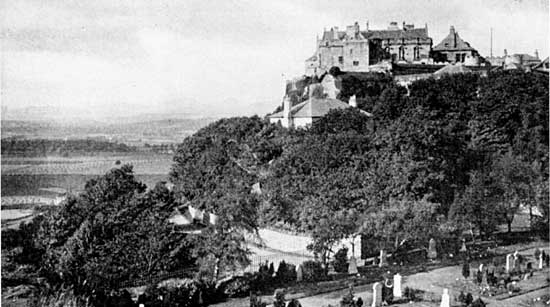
(143, 164)
(27, 176)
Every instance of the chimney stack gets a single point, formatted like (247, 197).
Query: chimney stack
(353, 101)
(536, 54)
(286, 111)
(335, 33)
(367, 26)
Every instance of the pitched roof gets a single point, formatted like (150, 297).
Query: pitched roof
(541, 66)
(421, 33)
(396, 34)
(312, 58)
(315, 107)
(452, 69)
(453, 42)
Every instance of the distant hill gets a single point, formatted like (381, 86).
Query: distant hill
(131, 130)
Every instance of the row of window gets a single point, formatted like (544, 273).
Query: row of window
(341, 61)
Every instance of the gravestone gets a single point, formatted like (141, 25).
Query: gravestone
(383, 260)
(352, 267)
(299, 273)
(397, 286)
(432, 252)
(445, 299)
(331, 270)
(541, 261)
(376, 295)
(463, 249)
(484, 279)
(510, 263)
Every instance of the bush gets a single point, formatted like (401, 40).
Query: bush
(187, 294)
(341, 260)
(286, 273)
(412, 294)
(312, 271)
(236, 287)
(466, 270)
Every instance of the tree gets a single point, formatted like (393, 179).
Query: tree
(399, 222)
(479, 205)
(113, 232)
(517, 180)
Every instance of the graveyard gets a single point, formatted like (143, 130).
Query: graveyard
(521, 274)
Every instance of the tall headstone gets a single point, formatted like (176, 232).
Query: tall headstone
(352, 267)
(397, 286)
(510, 263)
(445, 299)
(463, 249)
(376, 295)
(299, 273)
(432, 252)
(541, 262)
(383, 260)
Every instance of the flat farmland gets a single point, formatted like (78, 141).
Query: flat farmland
(30, 176)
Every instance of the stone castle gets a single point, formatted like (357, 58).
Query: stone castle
(357, 50)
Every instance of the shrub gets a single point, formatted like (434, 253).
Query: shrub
(236, 287)
(312, 271)
(286, 273)
(412, 294)
(189, 293)
(478, 303)
(466, 270)
(341, 260)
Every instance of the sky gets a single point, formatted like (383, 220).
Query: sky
(100, 58)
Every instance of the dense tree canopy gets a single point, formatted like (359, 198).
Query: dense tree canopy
(435, 150)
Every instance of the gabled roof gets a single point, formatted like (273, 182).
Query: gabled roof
(315, 107)
(312, 58)
(452, 42)
(541, 66)
(421, 33)
(451, 70)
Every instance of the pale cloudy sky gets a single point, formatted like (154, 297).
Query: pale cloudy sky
(214, 58)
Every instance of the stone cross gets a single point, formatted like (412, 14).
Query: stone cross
(541, 261)
(299, 273)
(376, 295)
(382, 258)
(510, 263)
(432, 251)
(397, 286)
(445, 299)
(352, 267)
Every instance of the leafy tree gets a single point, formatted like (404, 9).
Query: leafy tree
(401, 222)
(477, 206)
(113, 232)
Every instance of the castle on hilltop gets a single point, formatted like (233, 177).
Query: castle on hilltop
(357, 50)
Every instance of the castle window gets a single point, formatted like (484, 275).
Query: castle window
(457, 57)
(355, 63)
(351, 51)
(341, 59)
(417, 53)
(401, 53)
